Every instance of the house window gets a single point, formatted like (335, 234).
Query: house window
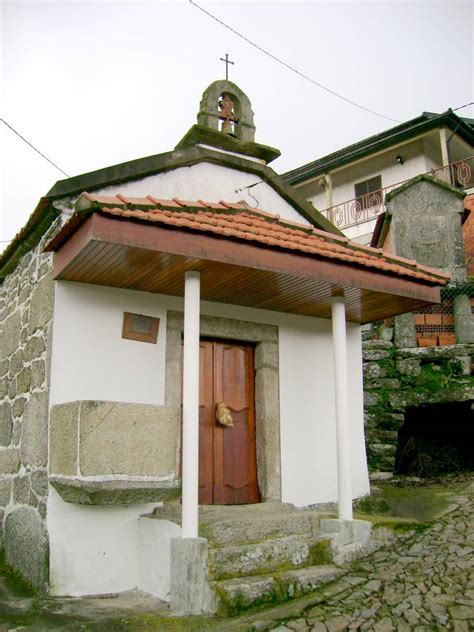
(369, 192)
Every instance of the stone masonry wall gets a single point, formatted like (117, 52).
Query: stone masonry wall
(26, 313)
(395, 378)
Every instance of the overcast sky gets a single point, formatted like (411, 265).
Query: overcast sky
(92, 84)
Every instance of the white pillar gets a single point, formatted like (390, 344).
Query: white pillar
(344, 487)
(443, 141)
(329, 200)
(191, 405)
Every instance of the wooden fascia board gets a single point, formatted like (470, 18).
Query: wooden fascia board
(208, 247)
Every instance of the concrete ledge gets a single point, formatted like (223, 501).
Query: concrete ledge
(115, 492)
(350, 539)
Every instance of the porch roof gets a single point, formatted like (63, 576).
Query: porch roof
(246, 256)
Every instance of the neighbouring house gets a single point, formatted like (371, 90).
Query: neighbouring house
(152, 291)
(349, 186)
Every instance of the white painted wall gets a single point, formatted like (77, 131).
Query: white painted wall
(121, 370)
(211, 183)
(308, 433)
(93, 549)
(154, 554)
(90, 358)
(91, 361)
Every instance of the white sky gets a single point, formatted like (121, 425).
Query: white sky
(92, 84)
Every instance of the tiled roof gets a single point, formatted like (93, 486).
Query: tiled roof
(242, 222)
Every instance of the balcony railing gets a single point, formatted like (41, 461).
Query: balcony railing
(366, 207)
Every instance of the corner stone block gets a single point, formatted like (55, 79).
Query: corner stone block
(266, 355)
(42, 303)
(190, 592)
(129, 439)
(25, 545)
(34, 431)
(63, 439)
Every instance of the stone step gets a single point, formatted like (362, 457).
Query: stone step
(236, 595)
(268, 556)
(244, 524)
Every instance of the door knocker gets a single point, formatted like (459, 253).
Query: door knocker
(223, 415)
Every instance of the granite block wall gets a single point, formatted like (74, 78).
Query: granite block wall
(26, 315)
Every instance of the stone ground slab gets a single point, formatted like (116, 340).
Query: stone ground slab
(423, 582)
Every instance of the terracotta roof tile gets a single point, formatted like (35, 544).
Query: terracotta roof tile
(238, 220)
(135, 201)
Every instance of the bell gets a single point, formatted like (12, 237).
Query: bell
(227, 128)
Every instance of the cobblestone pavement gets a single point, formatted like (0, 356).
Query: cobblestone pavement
(425, 583)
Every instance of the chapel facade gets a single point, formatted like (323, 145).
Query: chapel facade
(173, 347)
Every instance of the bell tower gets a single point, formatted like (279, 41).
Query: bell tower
(225, 121)
(224, 102)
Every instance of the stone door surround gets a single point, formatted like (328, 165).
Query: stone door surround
(267, 397)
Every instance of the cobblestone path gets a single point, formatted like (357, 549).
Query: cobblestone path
(426, 583)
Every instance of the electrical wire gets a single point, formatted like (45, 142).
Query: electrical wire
(463, 106)
(33, 147)
(292, 68)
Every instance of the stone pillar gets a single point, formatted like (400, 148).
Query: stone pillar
(329, 199)
(463, 320)
(190, 592)
(342, 408)
(444, 149)
(191, 405)
(404, 332)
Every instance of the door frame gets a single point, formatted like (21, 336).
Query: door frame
(267, 395)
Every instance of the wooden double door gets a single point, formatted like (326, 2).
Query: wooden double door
(227, 458)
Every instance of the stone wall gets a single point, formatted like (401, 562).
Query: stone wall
(398, 378)
(26, 313)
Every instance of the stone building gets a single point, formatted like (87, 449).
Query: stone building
(100, 353)
(412, 386)
(424, 221)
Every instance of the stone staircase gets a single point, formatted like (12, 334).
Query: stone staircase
(261, 554)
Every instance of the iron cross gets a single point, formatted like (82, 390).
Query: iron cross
(227, 62)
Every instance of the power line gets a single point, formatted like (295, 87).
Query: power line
(33, 147)
(463, 106)
(292, 68)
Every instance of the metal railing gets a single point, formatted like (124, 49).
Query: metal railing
(366, 207)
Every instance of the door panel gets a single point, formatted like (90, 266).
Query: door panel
(206, 422)
(228, 470)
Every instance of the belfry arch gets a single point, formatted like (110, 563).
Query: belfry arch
(225, 101)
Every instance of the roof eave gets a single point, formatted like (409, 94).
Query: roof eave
(379, 142)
